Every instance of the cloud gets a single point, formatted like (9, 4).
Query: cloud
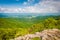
(44, 6)
(29, 2)
(25, 3)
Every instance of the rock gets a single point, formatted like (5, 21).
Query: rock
(50, 34)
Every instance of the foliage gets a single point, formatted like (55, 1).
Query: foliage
(14, 27)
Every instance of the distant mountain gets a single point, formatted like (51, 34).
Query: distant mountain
(28, 15)
(17, 15)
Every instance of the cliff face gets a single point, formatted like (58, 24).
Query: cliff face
(50, 34)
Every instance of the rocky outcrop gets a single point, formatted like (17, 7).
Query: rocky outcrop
(50, 34)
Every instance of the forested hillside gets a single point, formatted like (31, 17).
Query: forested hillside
(14, 27)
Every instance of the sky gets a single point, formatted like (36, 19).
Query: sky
(29, 6)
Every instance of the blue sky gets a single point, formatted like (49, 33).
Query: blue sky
(29, 6)
(17, 2)
(12, 1)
